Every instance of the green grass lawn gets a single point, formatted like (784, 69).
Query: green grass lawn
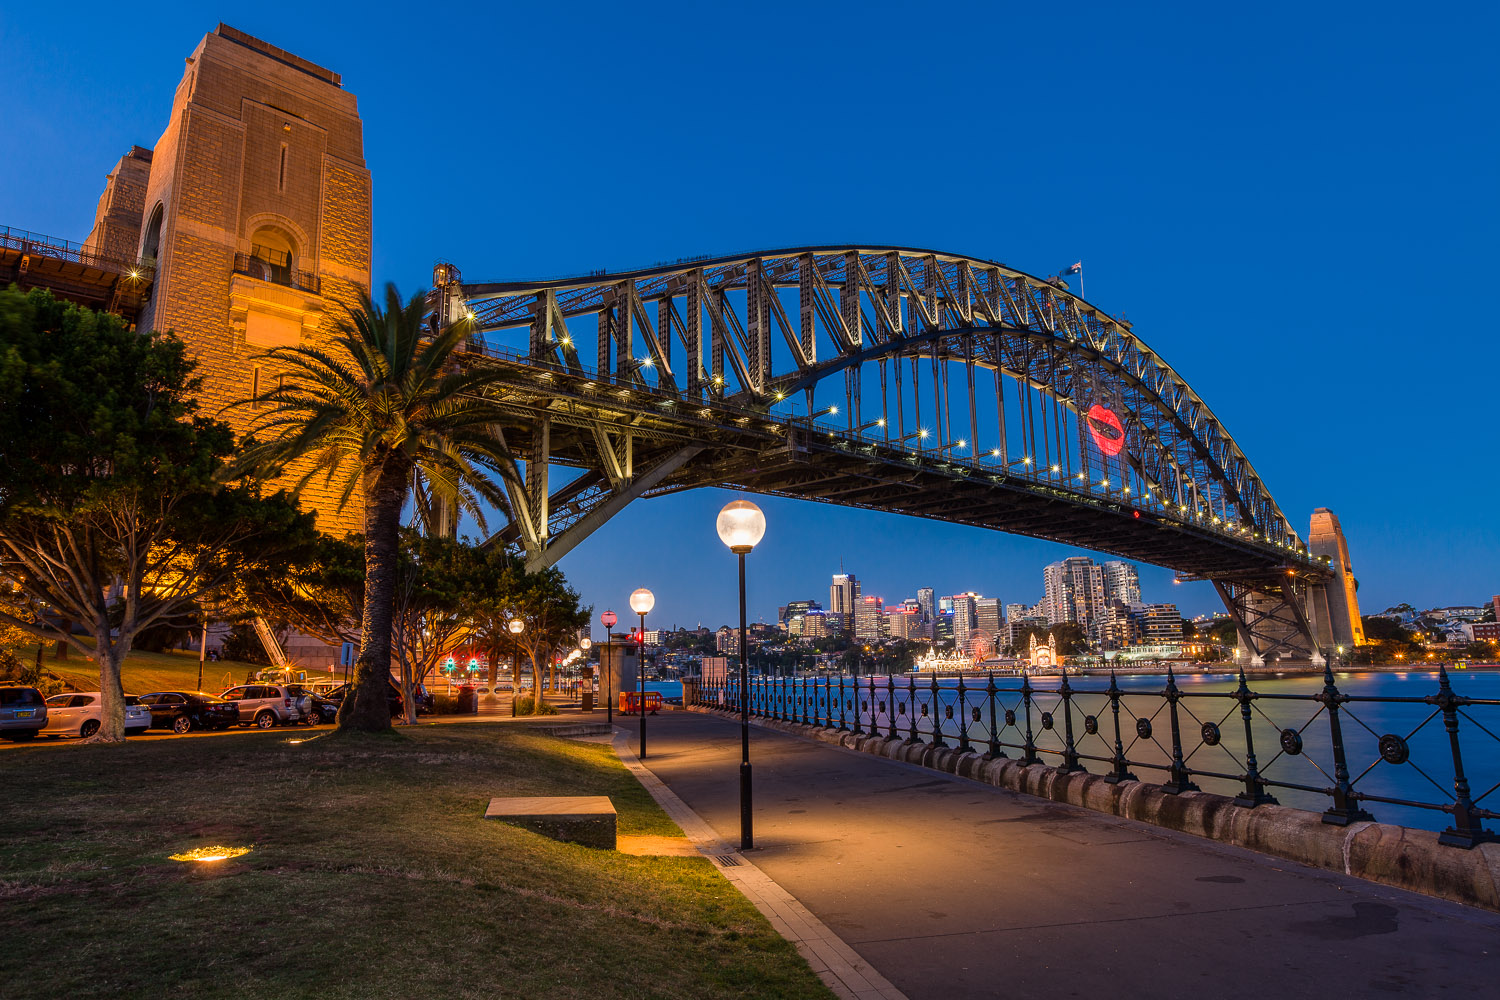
(373, 874)
(143, 672)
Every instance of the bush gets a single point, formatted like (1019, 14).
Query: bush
(527, 705)
(445, 704)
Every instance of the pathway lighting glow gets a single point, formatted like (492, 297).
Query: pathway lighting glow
(215, 853)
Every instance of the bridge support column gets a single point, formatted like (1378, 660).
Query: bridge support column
(1271, 619)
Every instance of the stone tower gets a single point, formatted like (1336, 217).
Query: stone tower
(1334, 606)
(257, 214)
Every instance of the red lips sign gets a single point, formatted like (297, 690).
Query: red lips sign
(1106, 430)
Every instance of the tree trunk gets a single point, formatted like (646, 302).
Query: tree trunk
(60, 652)
(536, 682)
(111, 691)
(366, 707)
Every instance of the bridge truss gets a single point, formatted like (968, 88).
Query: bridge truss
(911, 381)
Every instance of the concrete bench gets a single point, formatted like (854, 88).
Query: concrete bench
(583, 819)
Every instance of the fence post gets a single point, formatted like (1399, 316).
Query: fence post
(963, 718)
(1121, 771)
(890, 688)
(1177, 779)
(1029, 754)
(1255, 789)
(937, 717)
(994, 750)
(1467, 829)
(1070, 751)
(911, 707)
(1345, 808)
(843, 724)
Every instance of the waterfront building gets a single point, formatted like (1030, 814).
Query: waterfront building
(1073, 591)
(792, 615)
(1161, 625)
(1122, 582)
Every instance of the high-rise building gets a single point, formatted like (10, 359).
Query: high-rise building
(1024, 611)
(793, 614)
(963, 618)
(843, 596)
(869, 618)
(1074, 591)
(818, 625)
(987, 616)
(942, 626)
(1117, 625)
(903, 622)
(925, 602)
(1012, 633)
(1122, 582)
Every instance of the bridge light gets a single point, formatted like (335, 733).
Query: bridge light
(780, 396)
(567, 342)
(994, 451)
(1104, 482)
(135, 274)
(1127, 491)
(962, 443)
(922, 433)
(1054, 468)
(647, 362)
(833, 410)
(1026, 460)
(880, 422)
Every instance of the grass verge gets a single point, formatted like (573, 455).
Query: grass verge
(373, 874)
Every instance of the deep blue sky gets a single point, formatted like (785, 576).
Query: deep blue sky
(1296, 206)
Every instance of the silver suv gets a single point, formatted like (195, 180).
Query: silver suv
(267, 705)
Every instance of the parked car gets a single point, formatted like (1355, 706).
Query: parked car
(267, 705)
(79, 715)
(23, 713)
(322, 710)
(184, 711)
(392, 693)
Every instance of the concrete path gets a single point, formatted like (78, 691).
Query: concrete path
(954, 889)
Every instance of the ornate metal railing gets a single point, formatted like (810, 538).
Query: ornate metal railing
(1321, 748)
(279, 274)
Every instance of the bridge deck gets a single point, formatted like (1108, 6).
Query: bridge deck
(953, 889)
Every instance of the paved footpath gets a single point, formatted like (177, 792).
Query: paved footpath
(954, 889)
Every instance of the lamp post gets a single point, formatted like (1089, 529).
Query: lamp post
(608, 620)
(741, 525)
(585, 644)
(516, 627)
(641, 602)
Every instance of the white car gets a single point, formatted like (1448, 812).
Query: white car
(78, 715)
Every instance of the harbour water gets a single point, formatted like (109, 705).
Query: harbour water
(1290, 730)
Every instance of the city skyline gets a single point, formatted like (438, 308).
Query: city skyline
(1159, 243)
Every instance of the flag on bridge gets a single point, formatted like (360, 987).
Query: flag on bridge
(1075, 269)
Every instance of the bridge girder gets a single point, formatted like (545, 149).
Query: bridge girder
(1116, 451)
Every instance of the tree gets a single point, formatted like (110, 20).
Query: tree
(549, 608)
(438, 581)
(115, 512)
(320, 595)
(386, 404)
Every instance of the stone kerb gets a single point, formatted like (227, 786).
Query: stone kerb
(1380, 852)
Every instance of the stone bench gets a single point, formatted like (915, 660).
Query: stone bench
(583, 819)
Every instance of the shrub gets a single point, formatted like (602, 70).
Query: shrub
(527, 705)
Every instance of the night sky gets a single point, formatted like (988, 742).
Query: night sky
(1295, 205)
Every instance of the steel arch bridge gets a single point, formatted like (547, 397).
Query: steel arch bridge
(904, 380)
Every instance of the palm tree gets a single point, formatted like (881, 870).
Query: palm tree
(385, 405)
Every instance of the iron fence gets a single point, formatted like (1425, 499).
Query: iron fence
(1322, 748)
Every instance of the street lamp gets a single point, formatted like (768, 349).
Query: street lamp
(584, 644)
(741, 525)
(641, 602)
(608, 620)
(516, 627)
